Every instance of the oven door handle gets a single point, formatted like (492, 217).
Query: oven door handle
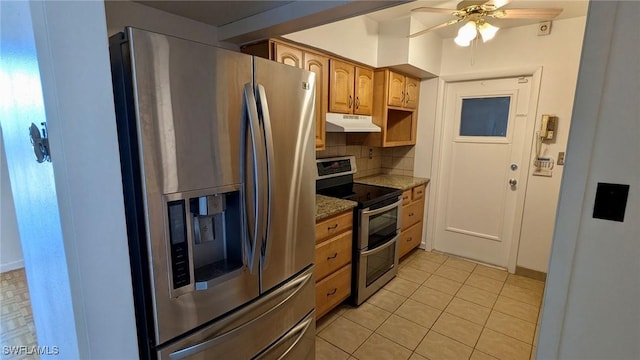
(381, 247)
(382, 209)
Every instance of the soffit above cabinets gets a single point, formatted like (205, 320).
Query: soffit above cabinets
(242, 22)
(216, 13)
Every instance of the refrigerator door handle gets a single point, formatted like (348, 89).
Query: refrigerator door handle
(292, 287)
(268, 139)
(298, 332)
(252, 123)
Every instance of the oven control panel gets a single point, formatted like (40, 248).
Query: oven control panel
(337, 166)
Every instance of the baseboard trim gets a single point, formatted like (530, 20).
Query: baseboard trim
(533, 274)
(14, 265)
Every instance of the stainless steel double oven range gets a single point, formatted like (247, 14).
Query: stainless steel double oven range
(377, 219)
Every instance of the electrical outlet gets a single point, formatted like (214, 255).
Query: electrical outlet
(561, 158)
(544, 28)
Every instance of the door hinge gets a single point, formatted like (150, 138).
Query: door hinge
(40, 142)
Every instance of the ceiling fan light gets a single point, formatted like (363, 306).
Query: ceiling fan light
(468, 31)
(460, 41)
(487, 31)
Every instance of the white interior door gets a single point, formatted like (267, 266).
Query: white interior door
(481, 177)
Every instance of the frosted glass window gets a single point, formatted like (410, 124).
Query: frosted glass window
(485, 116)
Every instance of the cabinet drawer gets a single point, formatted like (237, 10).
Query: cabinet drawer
(333, 254)
(418, 192)
(333, 290)
(406, 197)
(410, 238)
(333, 226)
(412, 213)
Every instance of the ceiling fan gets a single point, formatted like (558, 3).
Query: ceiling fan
(475, 13)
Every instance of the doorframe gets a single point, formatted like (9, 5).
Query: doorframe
(438, 145)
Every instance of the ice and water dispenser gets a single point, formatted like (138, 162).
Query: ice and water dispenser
(206, 236)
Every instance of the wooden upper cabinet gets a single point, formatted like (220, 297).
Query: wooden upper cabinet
(395, 111)
(412, 91)
(403, 91)
(319, 65)
(288, 55)
(396, 89)
(350, 88)
(341, 97)
(363, 91)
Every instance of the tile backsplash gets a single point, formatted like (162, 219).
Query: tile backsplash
(370, 160)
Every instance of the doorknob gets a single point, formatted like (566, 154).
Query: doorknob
(513, 182)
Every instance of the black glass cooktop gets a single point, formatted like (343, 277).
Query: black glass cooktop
(365, 195)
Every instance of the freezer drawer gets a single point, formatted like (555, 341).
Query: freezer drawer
(297, 344)
(270, 325)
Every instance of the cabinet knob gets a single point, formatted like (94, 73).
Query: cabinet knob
(411, 214)
(350, 101)
(332, 256)
(409, 239)
(405, 197)
(332, 227)
(357, 102)
(332, 292)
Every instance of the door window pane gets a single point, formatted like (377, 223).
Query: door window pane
(485, 116)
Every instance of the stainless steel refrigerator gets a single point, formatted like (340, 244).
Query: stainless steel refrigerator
(217, 153)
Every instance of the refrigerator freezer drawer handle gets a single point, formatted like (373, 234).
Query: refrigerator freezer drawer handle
(252, 124)
(298, 332)
(268, 139)
(294, 286)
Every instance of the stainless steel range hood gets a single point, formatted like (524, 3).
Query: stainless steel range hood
(350, 123)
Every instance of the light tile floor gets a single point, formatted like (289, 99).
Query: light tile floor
(438, 307)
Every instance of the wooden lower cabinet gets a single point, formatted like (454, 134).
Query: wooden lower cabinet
(333, 254)
(333, 290)
(413, 201)
(334, 240)
(410, 238)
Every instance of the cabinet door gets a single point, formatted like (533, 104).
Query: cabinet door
(395, 96)
(410, 238)
(363, 91)
(319, 65)
(412, 213)
(412, 89)
(288, 55)
(341, 87)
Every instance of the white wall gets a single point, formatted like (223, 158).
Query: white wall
(127, 13)
(355, 38)
(10, 250)
(591, 309)
(393, 43)
(558, 54)
(71, 42)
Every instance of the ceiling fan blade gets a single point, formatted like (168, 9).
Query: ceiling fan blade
(495, 4)
(434, 10)
(546, 14)
(450, 22)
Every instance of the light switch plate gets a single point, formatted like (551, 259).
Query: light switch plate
(611, 201)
